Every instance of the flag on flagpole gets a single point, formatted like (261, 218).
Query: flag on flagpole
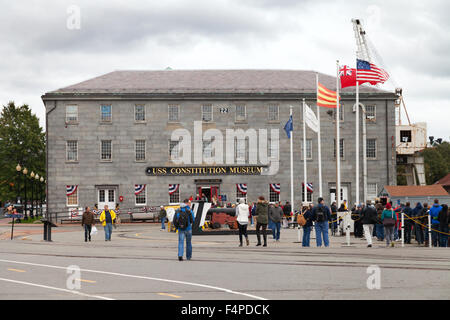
(368, 72)
(347, 76)
(289, 126)
(311, 119)
(326, 97)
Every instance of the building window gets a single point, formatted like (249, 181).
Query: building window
(240, 150)
(174, 150)
(207, 150)
(72, 150)
(174, 113)
(273, 149)
(106, 150)
(106, 113)
(405, 136)
(309, 193)
(207, 112)
(341, 149)
(139, 112)
(372, 191)
(72, 195)
(241, 112)
(241, 192)
(273, 112)
(371, 148)
(174, 193)
(341, 113)
(72, 114)
(140, 150)
(274, 192)
(371, 113)
(308, 149)
(140, 194)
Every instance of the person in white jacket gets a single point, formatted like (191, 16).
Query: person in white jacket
(242, 219)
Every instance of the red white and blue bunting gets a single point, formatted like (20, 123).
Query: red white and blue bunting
(70, 190)
(309, 187)
(138, 188)
(173, 188)
(242, 187)
(276, 187)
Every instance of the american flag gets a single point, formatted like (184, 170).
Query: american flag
(368, 72)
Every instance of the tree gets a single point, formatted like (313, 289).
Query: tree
(22, 141)
(437, 161)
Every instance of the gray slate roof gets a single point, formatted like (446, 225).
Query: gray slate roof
(210, 81)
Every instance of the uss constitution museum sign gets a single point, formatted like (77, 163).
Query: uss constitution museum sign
(216, 170)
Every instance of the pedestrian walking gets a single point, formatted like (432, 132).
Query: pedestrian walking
(262, 219)
(287, 210)
(379, 228)
(408, 211)
(183, 220)
(87, 221)
(443, 226)
(356, 217)
(162, 217)
(424, 220)
(418, 228)
(368, 220)
(435, 225)
(242, 220)
(334, 223)
(275, 215)
(389, 219)
(107, 218)
(321, 215)
(270, 225)
(253, 212)
(308, 226)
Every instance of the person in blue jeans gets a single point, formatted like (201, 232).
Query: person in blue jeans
(308, 226)
(275, 215)
(184, 233)
(162, 216)
(435, 224)
(321, 215)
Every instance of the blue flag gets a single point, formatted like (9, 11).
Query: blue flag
(288, 127)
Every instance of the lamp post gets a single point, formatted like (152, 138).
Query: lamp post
(32, 194)
(37, 194)
(25, 202)
(41, 196)
(18, 169)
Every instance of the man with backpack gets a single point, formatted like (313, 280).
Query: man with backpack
(183, 220)
(369, 218)
(321, 215)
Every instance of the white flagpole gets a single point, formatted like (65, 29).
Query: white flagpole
(338, 142)
(292, 166)
(318, 138)
(305, 179)
(357, 138)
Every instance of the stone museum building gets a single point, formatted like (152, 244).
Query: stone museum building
(110, 139)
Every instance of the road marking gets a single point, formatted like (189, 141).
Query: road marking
(142, 277)
(88, 281)
(17, 270)
(168, 294)
(58, 289)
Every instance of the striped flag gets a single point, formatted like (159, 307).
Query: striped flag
(368, 72)
(138, 188)
(325, 97)
(242, 187)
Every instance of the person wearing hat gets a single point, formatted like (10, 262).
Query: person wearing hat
(162, 217)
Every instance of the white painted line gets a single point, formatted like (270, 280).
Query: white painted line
(143, 277)
(58, 289)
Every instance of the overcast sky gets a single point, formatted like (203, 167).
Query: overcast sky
(42, 49)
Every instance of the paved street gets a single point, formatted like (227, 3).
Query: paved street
(141, 263)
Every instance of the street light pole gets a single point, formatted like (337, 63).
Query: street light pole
(32, 194)
(18, 169)
(37, 195)
(25, 172)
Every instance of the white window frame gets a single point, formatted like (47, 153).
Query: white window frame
(240, 154)
(341, 113)
(175, 194)
(239, 118)
(273, 193)
(269, 117)
(375, 195)
(67, 151)
(145, 197)
(375, 147)
(67, 113)
(207, 156)
(210, 113)
(374, 118)
(309, 195)
(67, 198)
(101, 150)
(136, 150)
(101, 113)
(343, 149)
(178, 150)
(170, 108)
(309, 149)
(144, 113)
